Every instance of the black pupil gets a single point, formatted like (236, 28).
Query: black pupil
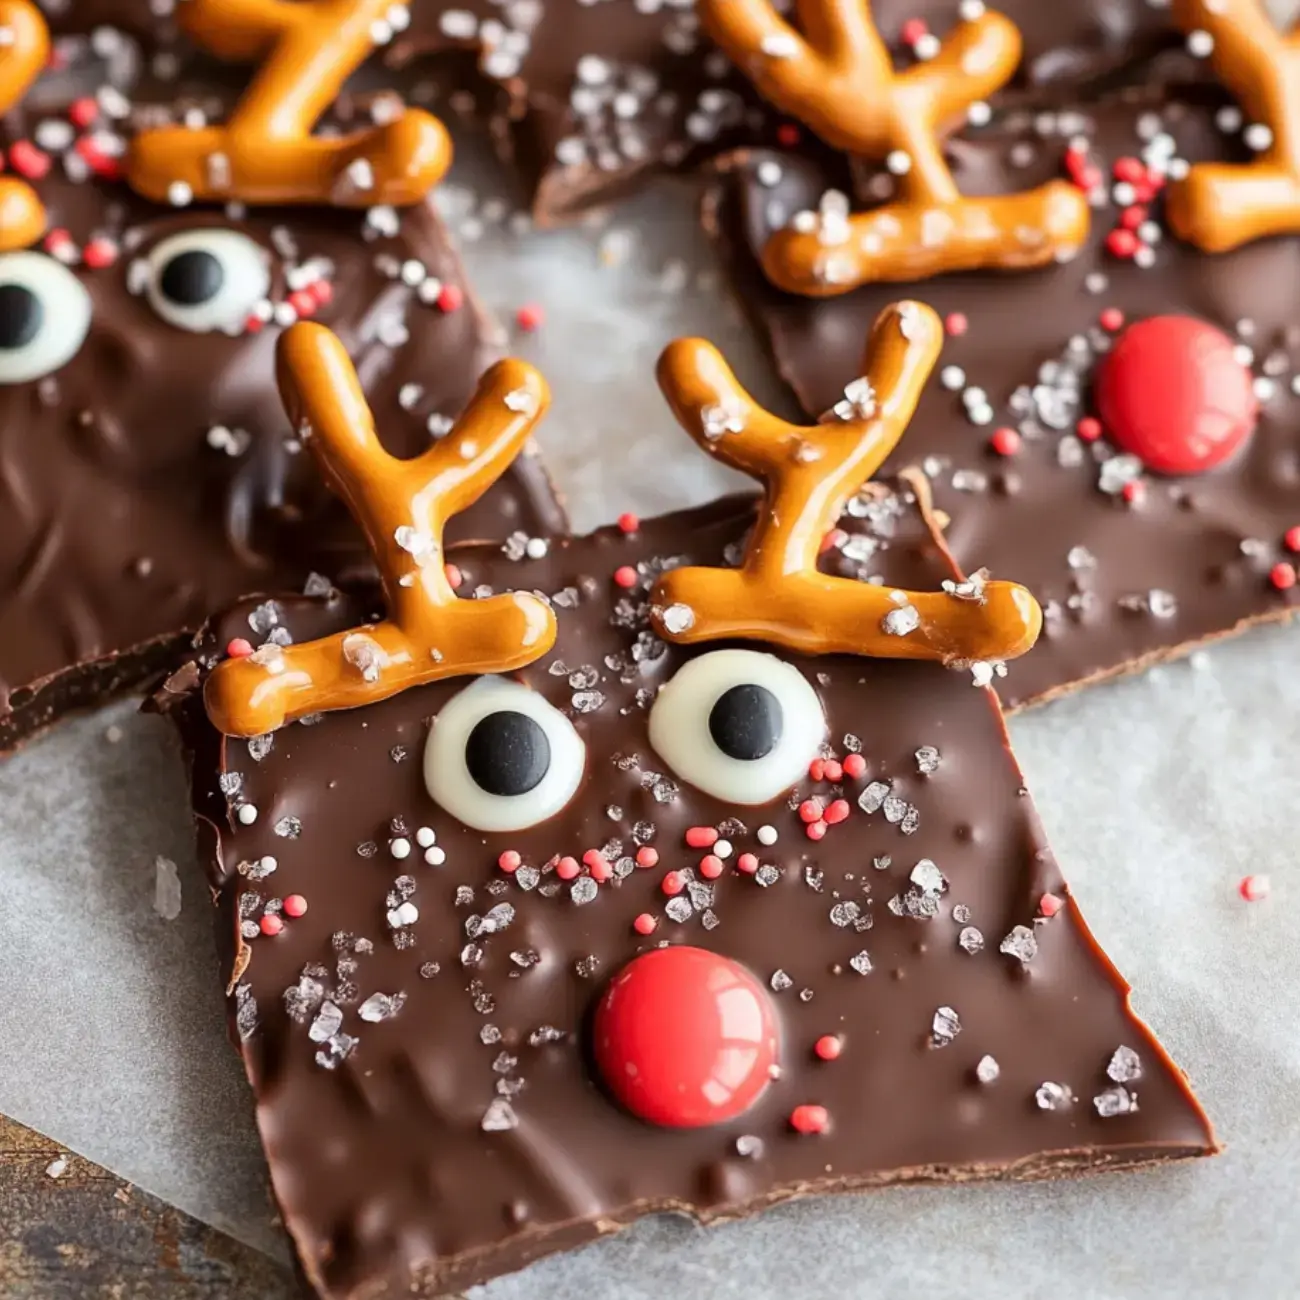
(21, 315)
(507, 753)
(746, 722)
(191, 278)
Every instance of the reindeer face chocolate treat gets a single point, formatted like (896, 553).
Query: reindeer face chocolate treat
(1119, 430)
(691, 882)
(149, 474)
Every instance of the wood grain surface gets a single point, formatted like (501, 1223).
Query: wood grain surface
(70, 1230)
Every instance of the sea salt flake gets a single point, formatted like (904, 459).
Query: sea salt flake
(961, 913)
(1125, 1065)
(679, 909)
(873, 797)
(329, 1020)
(489, 1035)
(780, 981)
(381, 1006)
(336, 1051)
(499, 1117)
(289, 828)
(945, 1026)
(1053, 1096)
(583, 890)
(845, 913)
(766, 875)
(544, 1035)
(749, 1147)
(928, 878)
(1020, 943)
(987, 1069)
(927, 760)
(971, 939)
(1114, 1101)
(301, 999)
(861, 962)
(899, 622)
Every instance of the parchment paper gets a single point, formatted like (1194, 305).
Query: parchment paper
(1159, 793)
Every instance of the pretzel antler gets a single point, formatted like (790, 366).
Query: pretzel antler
(838, 78)
(1219, 206)
(265, 153)
(24, 52)
(402, 505)
(778, 595)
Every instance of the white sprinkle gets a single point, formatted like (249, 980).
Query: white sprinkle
(723, 849)
(766, 835)
(952, 378)
(899, 162)
(926, 46)
(979, 113)
(425, 837)
(179, 195)
(400, 847)
(1200, 44)
(247, 814)
(435, 856)
(403, 914)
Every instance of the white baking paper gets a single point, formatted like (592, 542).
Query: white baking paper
(1159, 795)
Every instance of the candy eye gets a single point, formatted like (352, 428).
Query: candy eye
(740, 725)
(207, 280)
(500, 758)
(44, 316)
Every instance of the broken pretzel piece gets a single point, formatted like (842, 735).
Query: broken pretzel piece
(778, 594)
(1220, 206)
(266, 153)
(402, 505)
(837, 77)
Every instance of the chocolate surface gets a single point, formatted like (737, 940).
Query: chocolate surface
(1122, 583)
(454, 1128)
(154, 477)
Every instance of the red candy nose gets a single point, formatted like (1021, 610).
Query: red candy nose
(685, 1037)
(1173, 393)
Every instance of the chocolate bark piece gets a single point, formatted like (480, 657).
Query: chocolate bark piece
(154, 477)
(586, 99)
(418, 1037)
(1123, 583)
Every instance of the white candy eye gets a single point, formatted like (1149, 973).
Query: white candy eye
(44, 316)
(206, 280)
(500, 758)
(739, 725)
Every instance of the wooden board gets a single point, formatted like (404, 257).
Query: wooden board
(70, 1230)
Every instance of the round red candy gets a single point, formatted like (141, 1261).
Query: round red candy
(1173, 393)
(685, 1038)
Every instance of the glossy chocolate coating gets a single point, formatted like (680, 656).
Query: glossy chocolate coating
(1121, 584)
(123, 525)
(388, 1180)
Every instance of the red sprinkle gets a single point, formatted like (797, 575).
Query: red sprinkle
(912, 30)
(809, 1119)
(837, 812)
(1112, 319)
(451, 298)
(644, 924)
(833, 540)
(83, 112)
(1282, 576)
(1134, 492)
(1133, 216)
(828, 1047)
(271, 925)
(295, 905)
(701, 837)
(816, 830)
(57, 238)
(788, 135)
(747, 863)
(817, 770)
(625, 577)
(628, 522)
(1088, 428)
(322, 291)
(239, 648)
(1122, 243)
(1006, 441)
(854, 766)
(600, 870)
(567, 868)
(530, 317)
(955, 324)
(29, 161)
(303, 302)
(647, 857)
(1291, 538)
(673, 883)
(1050, 904)
(510, 862)
(833, 770)
(711, 866)
(810, 810)
(99, 253)
(1130, 169)
(454, 576)
(1254, 888)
